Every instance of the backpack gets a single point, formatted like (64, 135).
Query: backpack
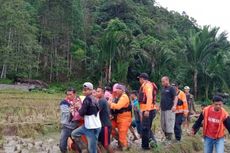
(142, 97)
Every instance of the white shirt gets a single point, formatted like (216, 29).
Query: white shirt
(92, 121)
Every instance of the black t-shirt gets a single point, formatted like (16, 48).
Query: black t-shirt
(168, 95)
(104, 112)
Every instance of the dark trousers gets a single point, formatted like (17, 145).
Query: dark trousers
(177, 127)
(65, 134)
(146, 129)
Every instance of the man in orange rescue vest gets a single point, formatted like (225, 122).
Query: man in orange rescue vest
(181, 111)
(121, 111)
(147, 105)
(216, 119)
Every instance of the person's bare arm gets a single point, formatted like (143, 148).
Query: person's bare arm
(174, 103)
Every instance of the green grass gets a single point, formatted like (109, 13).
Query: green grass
(28, 114)
(6, 81)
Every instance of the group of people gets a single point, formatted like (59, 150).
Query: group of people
(89, 122)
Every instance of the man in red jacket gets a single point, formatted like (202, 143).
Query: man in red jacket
(216, 119)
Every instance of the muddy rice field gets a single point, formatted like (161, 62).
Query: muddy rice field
(29, 123)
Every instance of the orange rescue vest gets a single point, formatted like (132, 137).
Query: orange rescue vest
(221, 128)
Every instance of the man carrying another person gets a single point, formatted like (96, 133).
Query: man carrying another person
(168, 107)
(69, 117)
(181, 111)
(148, 109)
(104, 136)
(92, 124)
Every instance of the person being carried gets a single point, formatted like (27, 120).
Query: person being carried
(104, 136)
(69, 117)
(216, 119)
(108, 93)
(122, 117)
(181, 111)
(92, 124)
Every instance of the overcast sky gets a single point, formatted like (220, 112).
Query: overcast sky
(206, 12)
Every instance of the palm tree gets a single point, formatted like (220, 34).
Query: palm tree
(200, 47)
(157, 54)
(115, 46)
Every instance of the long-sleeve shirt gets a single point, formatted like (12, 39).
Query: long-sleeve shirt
(90, 112)
(66, 116)
(123, 102)
(208, 132)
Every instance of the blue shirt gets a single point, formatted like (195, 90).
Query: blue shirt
(136, 109)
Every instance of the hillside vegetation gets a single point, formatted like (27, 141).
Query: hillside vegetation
(108, 41)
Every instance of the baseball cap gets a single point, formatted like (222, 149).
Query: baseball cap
(144, 76)
(175, 84)
(187, 88)
(88, 85)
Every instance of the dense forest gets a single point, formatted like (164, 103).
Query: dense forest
(108, 41)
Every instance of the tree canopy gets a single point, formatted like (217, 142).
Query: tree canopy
(110, 41)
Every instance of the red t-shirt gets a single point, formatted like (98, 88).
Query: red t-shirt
(214, 121)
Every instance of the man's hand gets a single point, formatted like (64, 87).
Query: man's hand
(71, 109)
(185, 115)
(146, 113)
(111, 117)
(173, 108)
(77, 105)
(192, 132)
(109, 102)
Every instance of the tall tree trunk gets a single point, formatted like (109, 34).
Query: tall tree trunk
(51, 66)
(68, 60)
(106, 79)
(3, 76)
(206, 91)
(110, 70)
(4, 67)
(70, 66)
(56, 64)
(195, 82)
